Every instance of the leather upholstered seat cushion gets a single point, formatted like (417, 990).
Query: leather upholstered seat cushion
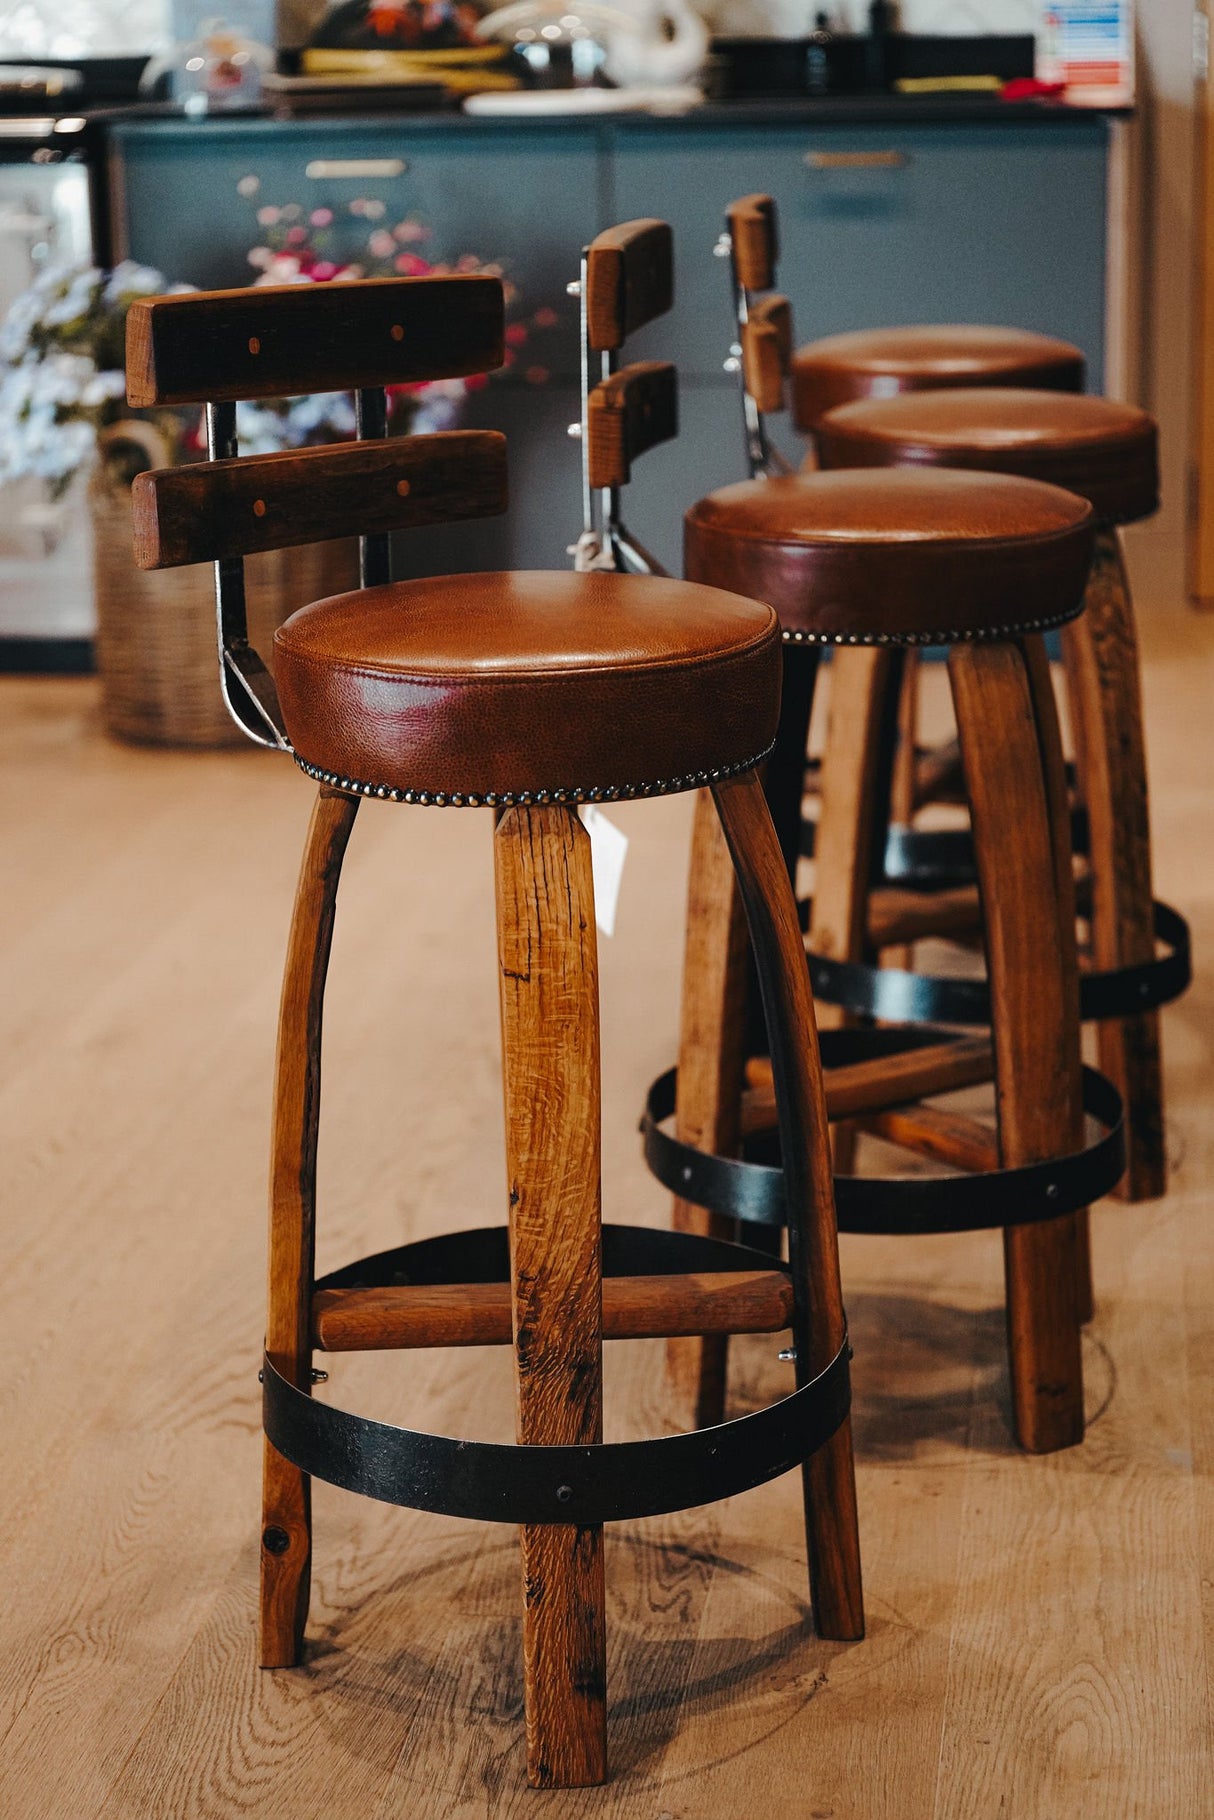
(1098, 447)
(880, 363)
(901, 555)
(475, 688)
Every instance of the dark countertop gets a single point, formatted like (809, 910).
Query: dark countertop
(835, 110)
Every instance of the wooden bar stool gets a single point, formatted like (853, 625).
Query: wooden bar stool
(874, 565)
(524, 695)
(1106, 452)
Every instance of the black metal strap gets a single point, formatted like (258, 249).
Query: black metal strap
(618, 1481)
(897, 996)
(752, 1190)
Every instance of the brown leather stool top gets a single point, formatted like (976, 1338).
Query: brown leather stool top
(521, 687)
(1098, 447)
(901, 557)
(880, 363)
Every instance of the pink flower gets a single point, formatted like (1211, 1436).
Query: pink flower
(268, 217)
(467, 262)
(260, 255)
(516, 334)
(297, 236)
(381, 244)
(321, 217)
(410, 232)
(410, 266)
(323, 271)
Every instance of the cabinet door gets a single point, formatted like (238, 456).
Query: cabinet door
(881, 225)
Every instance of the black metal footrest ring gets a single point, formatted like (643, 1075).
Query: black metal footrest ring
(897, 996)
(750, 1190)
(611, 1482)
(932, 859)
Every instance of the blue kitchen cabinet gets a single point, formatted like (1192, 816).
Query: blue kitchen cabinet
(900, 220)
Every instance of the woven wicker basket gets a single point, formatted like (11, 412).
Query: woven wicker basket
(156, 642)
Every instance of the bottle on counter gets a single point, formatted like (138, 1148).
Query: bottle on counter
(881, 20)
(817, 56)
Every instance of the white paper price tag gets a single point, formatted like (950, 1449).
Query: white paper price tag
(608, 846)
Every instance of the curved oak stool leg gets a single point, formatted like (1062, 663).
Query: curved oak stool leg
(712, 1055)
(286, 1531)
(548, 978)
(1033, 972)
(1054, 767)
(1102, 672)
(819, 1326)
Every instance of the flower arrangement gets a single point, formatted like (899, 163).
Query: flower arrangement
(62, 347)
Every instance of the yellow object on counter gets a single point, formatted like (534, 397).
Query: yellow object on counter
(949, 85)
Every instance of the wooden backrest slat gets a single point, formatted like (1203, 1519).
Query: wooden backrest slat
(629, 279)
(277, 340)
(767, 351)
(220, 509)
(756, 246)
(634, 410)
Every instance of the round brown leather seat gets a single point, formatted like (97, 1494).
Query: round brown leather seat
(897, 557)
(1098, 447)
(523, 687)
(880, 363)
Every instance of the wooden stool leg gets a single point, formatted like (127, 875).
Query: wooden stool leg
(548, 977)
(1054, 767)
(286, 1531)
(813, 1248)
(1033, 971)
(855, 765)
(1101, 656)
(712, 1044)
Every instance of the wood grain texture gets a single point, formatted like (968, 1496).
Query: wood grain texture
(548, 980)
(1101, 665)
(902, 786)
(766, 352)
(897, 916)
(273, 340)
(712, 1045)
(1033, 970)
(633, 411)
(630, 280)
(819, 1326)
(945, 1137)
(286, 1530)
(753, 230)
(479, 1314)
(215, 509)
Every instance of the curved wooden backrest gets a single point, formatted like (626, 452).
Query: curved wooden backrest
(629, 281)
(220, 509)
(767, 351)
(207, 347)
(756, 244)
(634, 410)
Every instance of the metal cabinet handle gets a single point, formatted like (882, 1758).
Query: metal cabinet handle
(856, 161)
(355, 167)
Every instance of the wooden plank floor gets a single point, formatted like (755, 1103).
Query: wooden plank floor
(1039, 1630)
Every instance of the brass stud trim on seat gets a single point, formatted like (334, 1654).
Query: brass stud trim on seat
(973, 635)
(509, 799)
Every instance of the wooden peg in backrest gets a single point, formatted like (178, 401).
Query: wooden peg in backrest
(278, 340)
(767, 351)
(634, 410)
(629, 280)
(213, 510)
(752, 228)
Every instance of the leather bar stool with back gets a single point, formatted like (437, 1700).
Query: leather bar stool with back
(524, 695)
(875, 565)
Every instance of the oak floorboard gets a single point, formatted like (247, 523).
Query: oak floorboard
(1061, 1609)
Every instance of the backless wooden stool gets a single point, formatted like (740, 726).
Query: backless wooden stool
(1106, 452)
(888, 563)
(524, 695)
